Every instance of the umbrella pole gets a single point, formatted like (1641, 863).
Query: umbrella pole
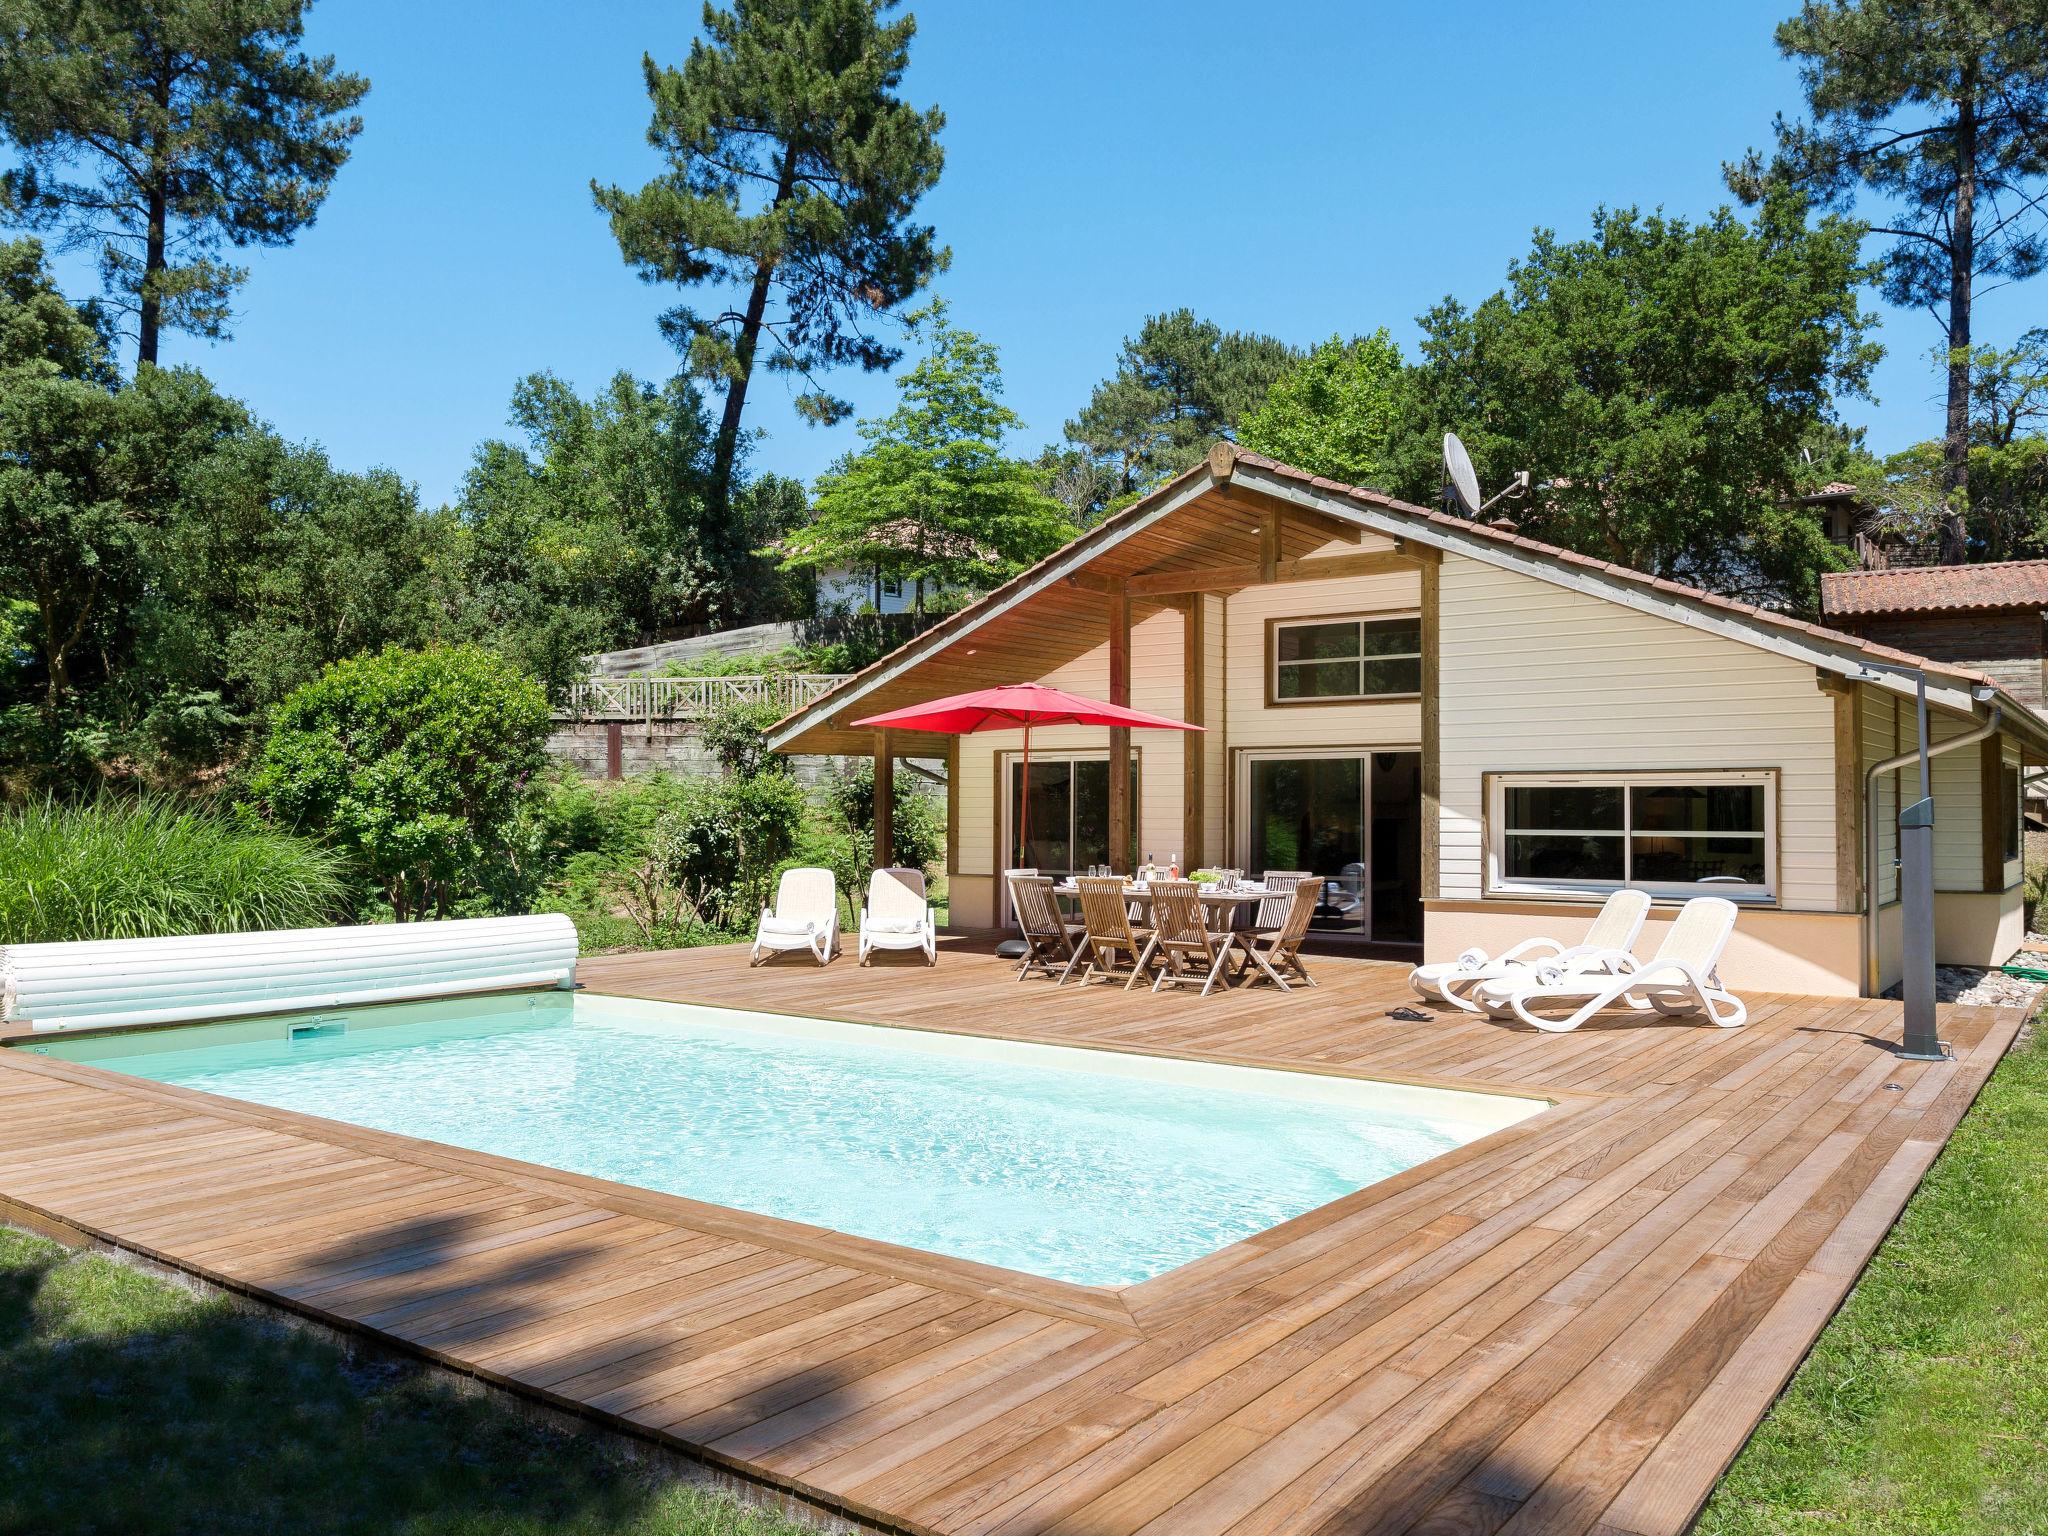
(1024, 801)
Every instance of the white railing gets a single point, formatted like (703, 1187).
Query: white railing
(692, 698)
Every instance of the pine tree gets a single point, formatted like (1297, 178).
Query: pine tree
(157, 131)
(1938, 110)
(793, 169)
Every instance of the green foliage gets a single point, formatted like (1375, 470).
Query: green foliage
(418, 765)
(1334, 412)
(737, 735)
(599, 532)
(1920, 1409)
(228, 1422)
(1934, 115)
(793, 171)
(121, 868)
(1661, 376)
(932, 498)
(1179, 384)
(155, 132)
(917, 824)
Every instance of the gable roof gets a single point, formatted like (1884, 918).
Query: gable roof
(1935, 589)
(1229, 468)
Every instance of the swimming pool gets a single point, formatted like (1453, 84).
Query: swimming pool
(1095, 1167)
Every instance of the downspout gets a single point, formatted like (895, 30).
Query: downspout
(1870, 831)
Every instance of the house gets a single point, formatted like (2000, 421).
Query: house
(876, 584)
(1470, 735)
(1991, 618)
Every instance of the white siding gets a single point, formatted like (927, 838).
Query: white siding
(1158, 685)
(1396, 722)
(1537, 677)
(1889, 728)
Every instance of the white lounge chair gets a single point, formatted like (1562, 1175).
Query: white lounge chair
(897, 915)
(1679, 979)
(805, 916)
(1606, 949)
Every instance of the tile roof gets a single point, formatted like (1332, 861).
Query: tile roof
(1111, 528)
(1556, 554)
(1935, 589)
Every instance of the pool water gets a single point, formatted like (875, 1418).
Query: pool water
(1094, 1167)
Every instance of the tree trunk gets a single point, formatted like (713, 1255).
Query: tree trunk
(156, 239)
(1962, 257)
(725, 450)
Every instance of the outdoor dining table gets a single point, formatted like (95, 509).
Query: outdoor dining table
(1232, 904)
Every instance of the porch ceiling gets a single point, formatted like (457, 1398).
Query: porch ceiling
(1216, 543)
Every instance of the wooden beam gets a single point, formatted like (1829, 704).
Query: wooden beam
(885, 801)
(1088, 581)
(1432, 737)
(953, 812)
(1119, 736)
(1848, 723)
(1230, 578)
(1194, 755)
(1269, 543)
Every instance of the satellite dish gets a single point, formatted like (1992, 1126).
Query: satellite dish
(1462, 482)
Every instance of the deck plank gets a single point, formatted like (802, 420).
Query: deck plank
(1570, 1326)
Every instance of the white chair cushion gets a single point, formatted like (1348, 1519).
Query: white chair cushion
(795, 927)
(895, 925)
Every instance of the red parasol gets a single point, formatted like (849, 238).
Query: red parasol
(1013, 705)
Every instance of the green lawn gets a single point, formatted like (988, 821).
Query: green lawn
(1923, 1410)
(127, 1404)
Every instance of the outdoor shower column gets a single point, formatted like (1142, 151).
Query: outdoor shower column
(1119, 735)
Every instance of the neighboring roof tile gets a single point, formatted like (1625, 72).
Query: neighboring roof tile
(1935, 588)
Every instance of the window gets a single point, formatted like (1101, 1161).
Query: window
(1377, 656)
(2009, 811)
(892, 586)
(1669, 834)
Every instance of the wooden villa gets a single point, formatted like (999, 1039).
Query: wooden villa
(1469, 735)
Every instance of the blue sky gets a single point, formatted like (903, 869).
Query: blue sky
(1299, 168)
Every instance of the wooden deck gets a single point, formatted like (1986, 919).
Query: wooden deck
(1569, 1326)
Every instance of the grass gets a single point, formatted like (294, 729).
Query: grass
(118, 868)
(1923, 1409)
(130, 1404)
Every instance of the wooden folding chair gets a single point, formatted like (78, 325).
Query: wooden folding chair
(1051, 943)
(1109, 930)
(1282, 951)
(1187, 950)
(1272, 912)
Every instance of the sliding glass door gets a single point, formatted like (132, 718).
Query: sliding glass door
(1068, 828)
(1349, 819)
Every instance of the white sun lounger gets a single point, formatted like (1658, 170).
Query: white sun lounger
(1678, 980)
(897, 915)
(1605, 949)
(805, 916)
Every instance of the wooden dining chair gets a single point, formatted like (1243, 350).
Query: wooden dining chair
(1187, 950)
(1281, 951)
(1110, 932)
(1051, 944)
(1272, 913)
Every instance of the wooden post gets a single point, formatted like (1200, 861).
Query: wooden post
(1119, 735)
(614, 750)
(885, 802)
(1432, 732)
(1194, 748)
(1991, 811)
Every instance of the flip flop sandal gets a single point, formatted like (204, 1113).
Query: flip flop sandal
(1410, 1015)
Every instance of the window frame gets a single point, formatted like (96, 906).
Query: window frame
(1500, 883)
(1369, 616)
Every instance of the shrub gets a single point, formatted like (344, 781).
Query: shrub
(419, 765)
(148, 868)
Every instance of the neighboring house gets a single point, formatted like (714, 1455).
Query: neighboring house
(1989, 618)
(1469, 735)
(878, 586)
